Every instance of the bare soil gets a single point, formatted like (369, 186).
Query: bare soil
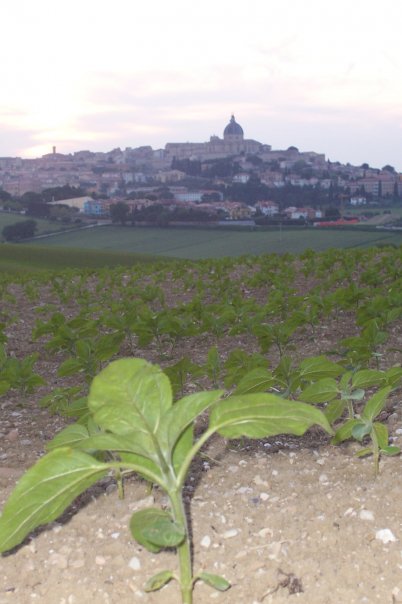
(284, 520)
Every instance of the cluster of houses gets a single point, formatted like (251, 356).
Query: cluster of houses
(229, 210)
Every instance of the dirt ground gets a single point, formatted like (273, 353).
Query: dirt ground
(284, 520)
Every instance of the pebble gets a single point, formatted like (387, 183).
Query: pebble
(265, 532)
(58, 560)
(259, 481)
(135, 563)
(323, 479)
(230, 533)
(206, 541)
(12, 435)
(385, 535)
(264, 496)
(243, 490)
(100, 560)
(366, 515)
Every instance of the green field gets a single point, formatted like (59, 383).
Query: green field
(210, 243)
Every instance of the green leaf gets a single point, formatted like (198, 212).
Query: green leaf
(316, 368)
(215, 581)
(69, 367)
(375, 404)
(155, 529)
(262, 415)
(381, 432)
(68, 437)
(393, 376)
(334, 410)
(364, 452)
(4, 387)
(256, 380)
(356, 395)
(361, 429)
(391, 450)
(45, 491)
(345, 431)
(366, 378)
(184, 412)
(158, 581)
(130, 395)
(323, 391)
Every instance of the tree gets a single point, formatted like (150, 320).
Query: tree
(19, 230)
(4, 195)
(119, 212)
(388, 168)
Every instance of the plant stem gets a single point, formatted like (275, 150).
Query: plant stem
(183, 550)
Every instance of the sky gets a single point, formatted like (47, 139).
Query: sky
(97, 74)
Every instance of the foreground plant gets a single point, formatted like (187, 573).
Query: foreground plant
(136, 422)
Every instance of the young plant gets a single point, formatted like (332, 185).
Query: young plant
(364, 427)
(131, 404)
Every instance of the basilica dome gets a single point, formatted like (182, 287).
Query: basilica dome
(233, 130)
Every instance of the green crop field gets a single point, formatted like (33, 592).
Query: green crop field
(205, 243)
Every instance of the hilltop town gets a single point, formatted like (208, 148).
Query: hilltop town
(225, 178)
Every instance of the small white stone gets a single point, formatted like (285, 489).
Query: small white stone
(385, 535)
(230, 533)
(115, 535)
(350, 512)
(58, 560)
(205, 541)
(100, 560)
(244, 490)
(135, 563)
(323, 479)
(366, 515)
(259, 481)
(265, 532)
(320, 461)
(274, 472)
(264, 496)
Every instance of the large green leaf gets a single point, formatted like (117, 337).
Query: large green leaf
(323, 391)
(316, 368)
(45, 491)
(155, 529)
(68, 437)
(130, 450)
(176, 433)
(256, 380)
(262, 415)
(366, 378)
(183, 413)
(375, 404)
(131, 396)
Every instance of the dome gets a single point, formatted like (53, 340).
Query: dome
(233, 128)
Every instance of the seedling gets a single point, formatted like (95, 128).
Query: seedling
(364, 427)
(137, 423)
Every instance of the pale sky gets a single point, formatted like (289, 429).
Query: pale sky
(97, 74)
